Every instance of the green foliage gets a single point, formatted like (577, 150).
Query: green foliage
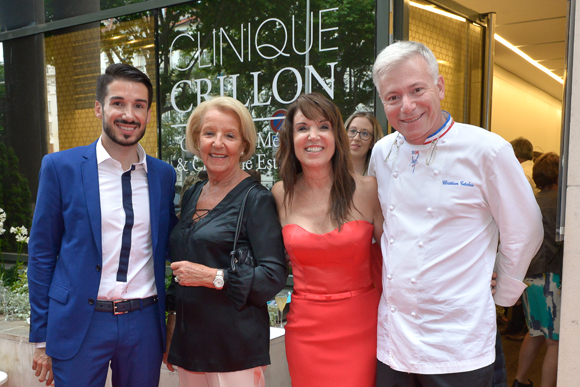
(15, 197)
(17, 306)
(9, 276)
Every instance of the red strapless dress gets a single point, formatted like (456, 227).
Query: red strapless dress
(331, 335)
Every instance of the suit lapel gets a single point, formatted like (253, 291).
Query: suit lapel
(90, 183)
(154, 201)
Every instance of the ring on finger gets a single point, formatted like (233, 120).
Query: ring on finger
(177, 278)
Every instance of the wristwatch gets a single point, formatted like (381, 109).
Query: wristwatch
(218, 282)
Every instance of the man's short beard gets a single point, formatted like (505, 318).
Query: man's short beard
(111, 134)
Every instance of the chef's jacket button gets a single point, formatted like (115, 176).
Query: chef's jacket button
(91, 301)
(393, 309)
(395, 174)
(443, 141)
(389, 276)
(413, 281)
(391, 241)
(436, 172)
(391, 208)
(421, 244)
(98, 268)
(429, 210)
(413, 314)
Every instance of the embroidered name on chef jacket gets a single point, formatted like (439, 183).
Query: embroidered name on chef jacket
(414, 159)
(462, 183)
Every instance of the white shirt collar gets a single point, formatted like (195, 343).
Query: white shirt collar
(103, 155)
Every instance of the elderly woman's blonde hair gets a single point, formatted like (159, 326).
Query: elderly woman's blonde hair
(247, 129)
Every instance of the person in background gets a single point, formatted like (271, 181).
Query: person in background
(542, 298)
(364, 131)
(218, 324)
(329, 217)
(98, 246)
(447, 191)
(516, 326)
(524, 151)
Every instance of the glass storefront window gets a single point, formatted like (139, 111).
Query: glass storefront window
(261, 54)
(62, 9)
(15, 196)
(458, 47)
(76, 57)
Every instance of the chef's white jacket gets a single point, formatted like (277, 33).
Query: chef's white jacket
(440, 245)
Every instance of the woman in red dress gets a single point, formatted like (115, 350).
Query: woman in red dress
(329, 217)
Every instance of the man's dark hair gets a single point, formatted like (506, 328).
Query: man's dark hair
(546, 169)
(124, 72)
(523, 148)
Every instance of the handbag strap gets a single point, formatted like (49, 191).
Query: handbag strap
(241, 216)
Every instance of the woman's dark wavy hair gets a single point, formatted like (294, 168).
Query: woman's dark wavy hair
(546, 170)
(315, 107)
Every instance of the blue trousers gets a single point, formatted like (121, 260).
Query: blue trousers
(131, 344)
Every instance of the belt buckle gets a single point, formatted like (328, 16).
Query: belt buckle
(115, 307)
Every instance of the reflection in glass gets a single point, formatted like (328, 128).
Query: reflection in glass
(458, 47)
(260, 53)
(15, 196)
(76, 57)
(62, 9)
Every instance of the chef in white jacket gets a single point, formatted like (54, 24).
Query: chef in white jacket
(447, 192)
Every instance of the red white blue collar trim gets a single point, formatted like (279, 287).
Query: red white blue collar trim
(441, 131)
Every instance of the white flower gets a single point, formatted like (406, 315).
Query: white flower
(19, 231)
(2, 230)
(2, 216)
(21, 234)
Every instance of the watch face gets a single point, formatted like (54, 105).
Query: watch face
(218, 282)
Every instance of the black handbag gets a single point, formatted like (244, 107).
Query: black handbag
(242, 255)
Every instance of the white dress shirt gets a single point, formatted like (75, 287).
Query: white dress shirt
(140, 276)
(440, 244)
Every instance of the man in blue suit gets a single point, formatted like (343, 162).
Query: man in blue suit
(98, 246)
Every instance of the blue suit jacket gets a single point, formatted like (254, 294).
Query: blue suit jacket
(65, 245)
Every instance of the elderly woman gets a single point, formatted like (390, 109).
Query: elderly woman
(218, 325)
(364, 131)
(329, 216)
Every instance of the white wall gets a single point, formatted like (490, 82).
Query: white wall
(570, 318)
(520, 109)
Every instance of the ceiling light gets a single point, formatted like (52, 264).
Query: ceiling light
(526, 57)
(437, 11)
